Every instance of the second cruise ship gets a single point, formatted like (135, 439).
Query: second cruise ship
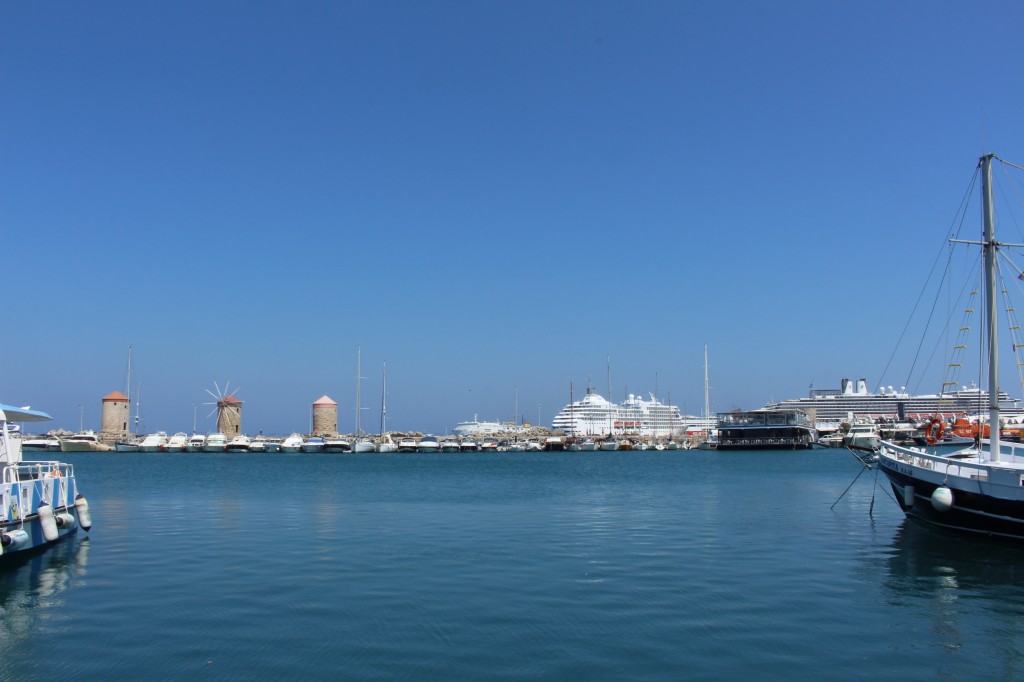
(595, 415)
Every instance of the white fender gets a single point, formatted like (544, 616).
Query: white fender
(82, 509)
(13, 540)
(47, 522)
(942, 498)
(64, 520)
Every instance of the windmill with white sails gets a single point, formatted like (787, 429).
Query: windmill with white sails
(228, 409)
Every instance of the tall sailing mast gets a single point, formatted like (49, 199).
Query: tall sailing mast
(611, 428)
(384, 402)
(128, 390)
(992, 317)
(707, 396)
(359, 384)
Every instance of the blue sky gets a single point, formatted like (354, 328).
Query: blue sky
(484, 195)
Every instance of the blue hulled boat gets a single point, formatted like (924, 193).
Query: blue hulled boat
(40, 500)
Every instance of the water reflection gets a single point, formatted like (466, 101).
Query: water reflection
(958, 594)
(45, 574)
(31, 588)
(947, 565)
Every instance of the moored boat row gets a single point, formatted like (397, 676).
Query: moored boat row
(218, 442)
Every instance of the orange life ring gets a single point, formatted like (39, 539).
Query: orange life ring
(939, 426)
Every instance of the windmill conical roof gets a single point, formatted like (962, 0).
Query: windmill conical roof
(115, 396)
(325, 401)
(228, 399)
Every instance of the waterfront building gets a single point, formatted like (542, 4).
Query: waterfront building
(765, 430)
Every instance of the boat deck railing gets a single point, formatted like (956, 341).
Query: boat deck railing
(962, 463)
(13, 473)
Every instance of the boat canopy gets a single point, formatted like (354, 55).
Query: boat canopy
(22, 414)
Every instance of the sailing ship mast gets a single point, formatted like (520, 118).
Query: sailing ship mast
(989, 246)
(611, 409)
(128, 377)
(359, 383)
(384, 402)
(992, 318)
(707, 396)
(572, 415)
(128, 390)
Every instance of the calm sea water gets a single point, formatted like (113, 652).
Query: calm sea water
(592, 566)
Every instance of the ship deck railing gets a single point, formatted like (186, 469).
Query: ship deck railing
(962, 463)
(13, 473)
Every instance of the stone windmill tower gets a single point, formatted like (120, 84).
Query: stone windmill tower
(325, 417)
(114, 415)
(228, 409)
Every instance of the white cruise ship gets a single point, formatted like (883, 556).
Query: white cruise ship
(853, 401)
(594, 415)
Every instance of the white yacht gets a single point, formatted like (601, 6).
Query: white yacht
(337, 444)
(449, 445)
(216, 442)
(239, 443)
(364, 444)
(41, 444)
(175, 443)
(292, 443)
(197, 443)
(863, 437)
(153, 442)
(428, 444)
(130, 444)
(385, 444)
(313, 444)
(86, 441)
(258, 444)
(407, 445)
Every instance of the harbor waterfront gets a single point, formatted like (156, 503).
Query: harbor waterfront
(610, 566)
